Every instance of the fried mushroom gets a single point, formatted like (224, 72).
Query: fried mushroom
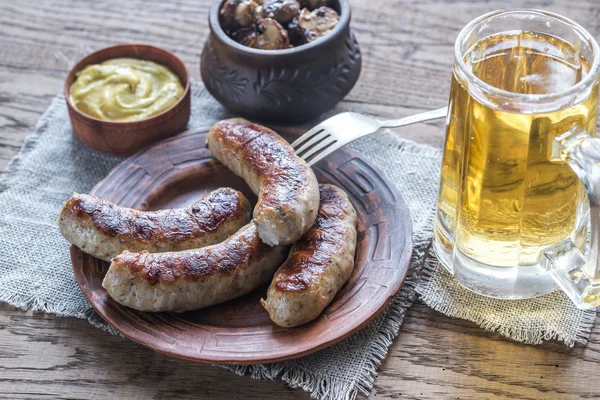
(282, 11)
(271, 36)
(244, 36)
(295, 34)
(317, 23)
(235, 14)
(312, 4)
(244, 13)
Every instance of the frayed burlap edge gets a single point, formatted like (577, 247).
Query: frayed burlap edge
(520, 335)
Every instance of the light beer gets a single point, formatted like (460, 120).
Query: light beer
(503, 199)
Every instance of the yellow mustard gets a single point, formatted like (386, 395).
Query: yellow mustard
(125, 89)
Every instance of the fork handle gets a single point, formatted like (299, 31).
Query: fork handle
(413, 119)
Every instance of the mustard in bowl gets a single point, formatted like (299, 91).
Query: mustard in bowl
(128, 96)
(125, 89)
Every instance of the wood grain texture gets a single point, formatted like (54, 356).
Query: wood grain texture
(167, 175)
(407, 54)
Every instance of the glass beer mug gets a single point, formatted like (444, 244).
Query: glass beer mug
(519, 200)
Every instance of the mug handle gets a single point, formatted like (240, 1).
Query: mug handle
(578, 276)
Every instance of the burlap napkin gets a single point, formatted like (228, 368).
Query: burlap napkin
(35, 271)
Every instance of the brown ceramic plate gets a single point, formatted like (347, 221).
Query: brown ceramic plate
(178, 171)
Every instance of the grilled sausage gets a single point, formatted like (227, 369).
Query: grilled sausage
(193, 279)
(287, 189)
(318, 265)
(104, 230)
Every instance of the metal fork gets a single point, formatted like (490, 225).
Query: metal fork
(346, 127)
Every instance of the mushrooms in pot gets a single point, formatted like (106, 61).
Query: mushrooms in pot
(244, 36)
(317, 23)
(313, 4)
(282, 11)
(295, 34)
(235, 14)
(277, 24)
(271, 36)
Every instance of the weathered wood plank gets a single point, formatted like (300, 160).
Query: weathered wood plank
(42, 356)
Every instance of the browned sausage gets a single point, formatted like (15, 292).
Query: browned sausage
(104, 230)
(318, 265)
(287, 189)
(193, 279)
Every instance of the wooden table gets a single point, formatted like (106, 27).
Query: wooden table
(407, 54)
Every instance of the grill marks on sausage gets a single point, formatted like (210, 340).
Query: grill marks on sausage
(268, 156)
(204, 216)
(314, 252)
(287, 189)
(225, 258)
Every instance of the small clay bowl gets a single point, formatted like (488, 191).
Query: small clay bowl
(126, 138)
(282, 86)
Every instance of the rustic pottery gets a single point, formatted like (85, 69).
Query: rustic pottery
(290, 85)
(126, 138)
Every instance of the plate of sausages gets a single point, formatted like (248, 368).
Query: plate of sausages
(220, 245)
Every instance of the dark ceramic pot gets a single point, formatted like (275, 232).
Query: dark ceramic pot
(291, 85)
